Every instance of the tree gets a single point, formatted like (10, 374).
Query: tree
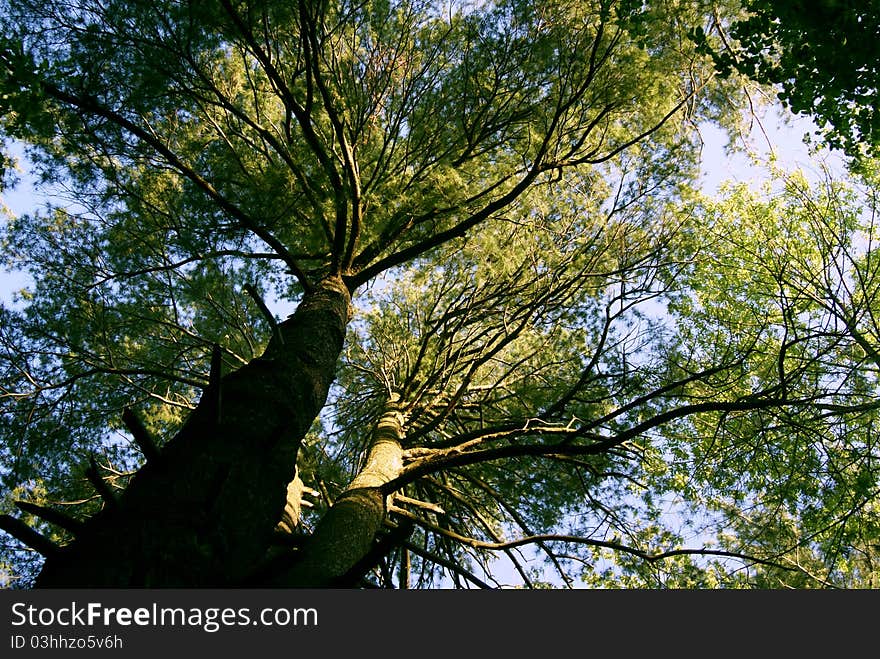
(483, 218)
(821, 55)
(796, 483)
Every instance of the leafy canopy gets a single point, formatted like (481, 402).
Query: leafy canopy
(596, 365)
(822, 57)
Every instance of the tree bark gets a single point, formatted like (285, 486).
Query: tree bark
(203, 514)
(346, 533)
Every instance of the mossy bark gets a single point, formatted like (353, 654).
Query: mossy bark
(203, 514)
(347, 532)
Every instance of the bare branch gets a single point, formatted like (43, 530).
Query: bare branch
(25, 534)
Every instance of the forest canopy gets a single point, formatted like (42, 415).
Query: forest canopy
(417, 294)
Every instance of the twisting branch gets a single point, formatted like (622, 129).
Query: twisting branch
(605, 544)
(599, 444)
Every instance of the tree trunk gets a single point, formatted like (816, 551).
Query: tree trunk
(345, 535)
(203, 513)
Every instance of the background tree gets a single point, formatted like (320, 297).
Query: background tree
(492, 202)
(821, 57)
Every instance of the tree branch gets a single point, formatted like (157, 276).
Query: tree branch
(600, 444)
(92, 106)
(25, 534)
(141, 436)
(56, 517)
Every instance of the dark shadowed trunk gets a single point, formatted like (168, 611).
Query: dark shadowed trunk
(203, 512)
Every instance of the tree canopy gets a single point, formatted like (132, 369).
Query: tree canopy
(821, 55)
(418, 294)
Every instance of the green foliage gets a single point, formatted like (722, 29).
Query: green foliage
(646, 387)
(823, 58)
(790, 285)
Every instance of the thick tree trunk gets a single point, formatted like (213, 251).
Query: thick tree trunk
(203, 513)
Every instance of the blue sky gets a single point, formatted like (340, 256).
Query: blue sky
(20, 199)
(777, 133)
